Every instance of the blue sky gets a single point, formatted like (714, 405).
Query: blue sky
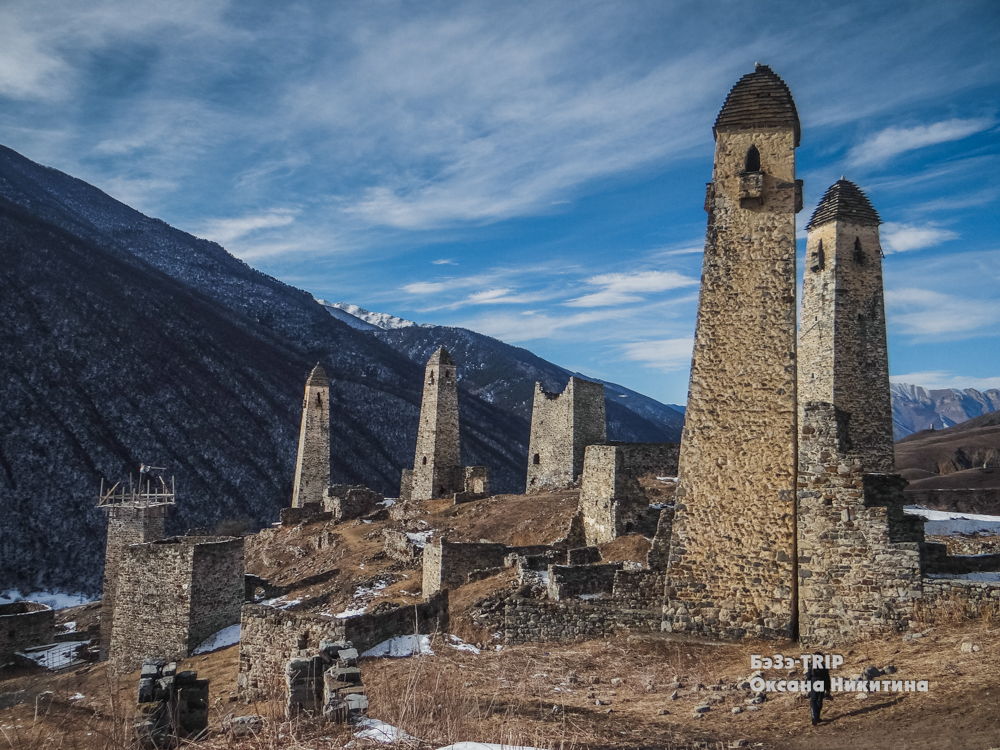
(533, 171)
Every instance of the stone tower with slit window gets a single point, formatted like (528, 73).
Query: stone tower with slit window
(312, 466)
(437, 463)
(731, 563)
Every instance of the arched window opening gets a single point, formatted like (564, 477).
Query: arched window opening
(859, 253)
(431, 381)
(447, 374)
(424, 461)
(319, 399)
(752, 163)
(536, 459)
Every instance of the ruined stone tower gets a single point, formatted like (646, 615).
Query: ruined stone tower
(731, 567)
(312, 466)
(437, 464)
(859, 562)
(562, 426)
(136, 515)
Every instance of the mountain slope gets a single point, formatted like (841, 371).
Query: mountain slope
(915, 408)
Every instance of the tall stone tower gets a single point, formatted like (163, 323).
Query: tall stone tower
(437, 464)
(859, 563)
(136, 515)
(731, 566)
(562, 426)
(843, 357)
(312, 466)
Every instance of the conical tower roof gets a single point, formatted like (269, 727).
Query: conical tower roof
(759, 100)
(845, 201)
(441, 357)
(318, 376)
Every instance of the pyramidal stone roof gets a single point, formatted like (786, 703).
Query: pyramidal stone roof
(318, 376)
(844, 201)
(759, 100)
(441, 357)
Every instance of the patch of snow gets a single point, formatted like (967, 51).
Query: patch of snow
(379, 731)
(56, 656)
(420, 538)
(400, 646)
(945, 523)
(364, 592)
(460, 645)
(350, 613)
(985, 577)
(365, 520)
(365, 320)
(69, 627)
(77, 697)
(667, 479)
(588, 597)
(281, 602)
(54, 599)
(388, 502)
(222, 639)
(484, 746)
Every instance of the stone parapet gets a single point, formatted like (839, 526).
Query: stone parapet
(24, 624)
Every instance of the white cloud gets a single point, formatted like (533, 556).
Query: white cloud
(667, 355)
(941, 379)
(444, 262)
(532, 325)
(427, 287)
(225, 231)
(892, 141)
(921, 312)
(898, 238)
(621, 288)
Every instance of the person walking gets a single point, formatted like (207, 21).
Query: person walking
(818, 673)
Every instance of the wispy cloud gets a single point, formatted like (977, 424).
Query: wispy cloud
(898, 238)
(892, 141)
(530, 326)
(668, 355)
(444, 262)
(941, 379)
(621, 288)
(225, 231)
(922, 312)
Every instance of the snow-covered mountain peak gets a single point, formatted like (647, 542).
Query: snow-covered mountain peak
(365, 320)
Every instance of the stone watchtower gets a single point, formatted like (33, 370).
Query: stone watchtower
(312, 466)
(562, 426)
(437, 464)
(731, 567)
(854, 544)
(136, 515)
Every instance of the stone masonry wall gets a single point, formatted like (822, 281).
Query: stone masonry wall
(24, 624)
(172, 594)
(534, 620)
(567, 581)
(562, 426)
(447, 565)
(346, 501)
(217, 588)
(731, 564)
(271, 637)
(127, 525)
(437, 470)
(859, 556)
(312, 464)
(612, 501)
(977, 598)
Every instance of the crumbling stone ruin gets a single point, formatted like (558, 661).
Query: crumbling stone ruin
(346, 501)
(437, 465)
(328, 684)
(172, 706)
(612, 500)
(562, 426)
(732, 551)
(23, 625)
(172, 595)
(270, 638)
(312, 465)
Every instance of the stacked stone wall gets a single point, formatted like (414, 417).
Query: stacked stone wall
(345, 501)
(639, 589)
(447, 565)
(967, 544)
(534, 620)
(476, 482)
(172, 594)
(568, 581)
(312, 463)
(859, 556)
(985, 501)
(731, 558)
(271, 637)
(975, 598)
(562, 426)
(127, 525)
(24, 624)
